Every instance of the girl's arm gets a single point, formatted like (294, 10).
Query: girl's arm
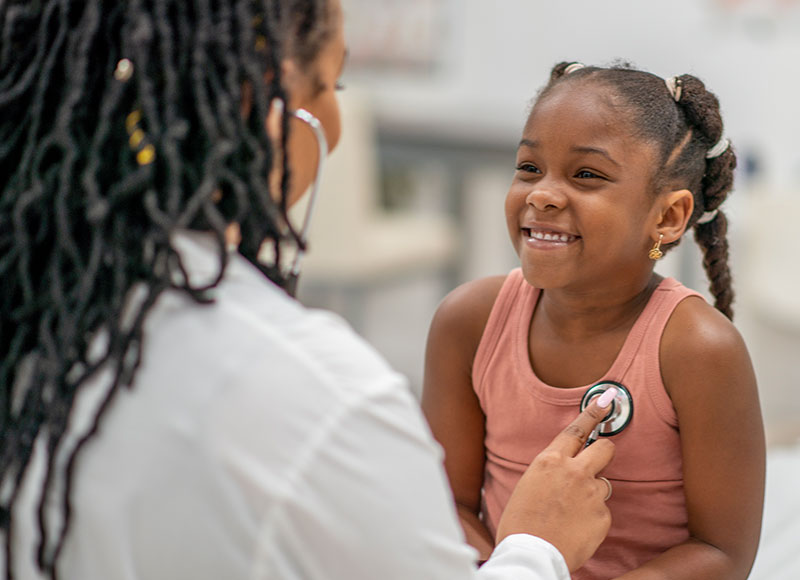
(450, 403)
(707, 372)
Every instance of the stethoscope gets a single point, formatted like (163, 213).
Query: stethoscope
(619, 415)
(316, 127)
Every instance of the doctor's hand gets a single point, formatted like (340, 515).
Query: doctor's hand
(559, 498)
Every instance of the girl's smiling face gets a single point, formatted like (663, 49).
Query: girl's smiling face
(579, 210)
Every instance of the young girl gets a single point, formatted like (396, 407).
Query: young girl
(614, 165)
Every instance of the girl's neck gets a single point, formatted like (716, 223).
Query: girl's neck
(582, 314)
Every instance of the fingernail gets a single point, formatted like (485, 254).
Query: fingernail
(605, 399)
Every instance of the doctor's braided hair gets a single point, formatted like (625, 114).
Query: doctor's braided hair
(684, 131)
(120, 124)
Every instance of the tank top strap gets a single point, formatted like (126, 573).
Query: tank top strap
(650, 325)
(513, 306)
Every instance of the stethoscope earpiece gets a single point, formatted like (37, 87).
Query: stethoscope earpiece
(621, 412)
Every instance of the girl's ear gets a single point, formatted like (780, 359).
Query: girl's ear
(675, 208)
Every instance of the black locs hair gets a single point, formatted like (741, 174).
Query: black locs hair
(120, 123)
(684, 131)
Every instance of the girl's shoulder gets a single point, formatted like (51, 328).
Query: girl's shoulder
(695, 327)
(699, 342)
(464, 311)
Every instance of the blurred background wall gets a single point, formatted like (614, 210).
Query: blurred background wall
(436, 95)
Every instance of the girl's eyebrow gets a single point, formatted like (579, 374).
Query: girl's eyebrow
(533, 144)
(595, 150)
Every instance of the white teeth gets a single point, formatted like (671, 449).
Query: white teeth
(550, 237)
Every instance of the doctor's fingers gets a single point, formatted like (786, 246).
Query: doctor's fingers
(572, 439)
(597, 456)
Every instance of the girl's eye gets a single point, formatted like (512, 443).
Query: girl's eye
(527, 168)
(586, 174)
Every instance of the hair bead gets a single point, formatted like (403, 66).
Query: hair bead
(707, 217)
(573, 67)
(675, 88)
(718, 149)
(124, 70)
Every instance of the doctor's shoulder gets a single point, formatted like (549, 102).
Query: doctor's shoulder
(703, 356)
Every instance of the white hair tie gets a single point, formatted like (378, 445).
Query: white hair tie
(707, 217)
(674, 87)
(718, 149)
(573, 67)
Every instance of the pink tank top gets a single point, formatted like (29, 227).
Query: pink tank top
(523, 414)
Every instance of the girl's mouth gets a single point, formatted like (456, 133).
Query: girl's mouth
(548, 235)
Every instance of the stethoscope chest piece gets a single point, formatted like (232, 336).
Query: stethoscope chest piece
(621, 412)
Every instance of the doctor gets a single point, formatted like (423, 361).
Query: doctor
(169, 411)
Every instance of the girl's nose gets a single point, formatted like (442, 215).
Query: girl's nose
(544, 197)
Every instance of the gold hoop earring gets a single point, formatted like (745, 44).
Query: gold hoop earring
(655, 252)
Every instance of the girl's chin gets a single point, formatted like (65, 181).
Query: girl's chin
(544, 278)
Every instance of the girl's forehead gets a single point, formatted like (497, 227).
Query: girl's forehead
(584, 111)
(583, 103)
(576, 116)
